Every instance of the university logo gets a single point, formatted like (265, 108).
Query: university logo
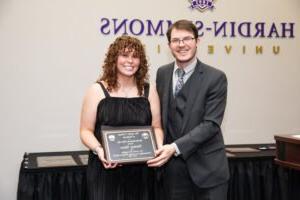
(202, 5)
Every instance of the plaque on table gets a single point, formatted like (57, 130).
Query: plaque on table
(128, 144)
(55, 161)
(84, 159)
(241, 150)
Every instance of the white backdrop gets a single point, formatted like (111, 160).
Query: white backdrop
(51, 51)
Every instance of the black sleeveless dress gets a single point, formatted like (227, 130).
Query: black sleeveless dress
(127, 182)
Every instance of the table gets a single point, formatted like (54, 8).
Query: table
(254, 176)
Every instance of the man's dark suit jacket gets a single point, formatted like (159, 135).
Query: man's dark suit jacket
(201, 144)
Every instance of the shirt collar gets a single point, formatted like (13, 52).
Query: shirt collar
(188, 68)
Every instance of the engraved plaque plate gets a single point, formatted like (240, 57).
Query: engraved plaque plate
(128, 144)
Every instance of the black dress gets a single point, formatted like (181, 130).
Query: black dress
(127, 182)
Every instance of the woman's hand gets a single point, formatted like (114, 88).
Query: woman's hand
(106, 164)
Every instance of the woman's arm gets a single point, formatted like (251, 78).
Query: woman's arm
(87, 122)
(156, 117)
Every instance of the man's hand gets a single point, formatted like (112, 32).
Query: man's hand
(163, 154)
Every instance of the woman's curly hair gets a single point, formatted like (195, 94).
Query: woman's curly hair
(118, 47)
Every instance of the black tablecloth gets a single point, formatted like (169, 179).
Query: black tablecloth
(254, 176)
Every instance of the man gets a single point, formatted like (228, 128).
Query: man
(193, 99)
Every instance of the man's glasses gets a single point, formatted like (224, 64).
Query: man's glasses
(185, 40)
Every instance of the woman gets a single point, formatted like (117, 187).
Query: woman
(121, 97)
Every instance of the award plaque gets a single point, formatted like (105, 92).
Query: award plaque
(128, 144)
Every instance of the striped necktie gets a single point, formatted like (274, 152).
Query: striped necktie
(180, 74)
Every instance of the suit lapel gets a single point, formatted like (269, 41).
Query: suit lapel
(166, 91)
(196, 83)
